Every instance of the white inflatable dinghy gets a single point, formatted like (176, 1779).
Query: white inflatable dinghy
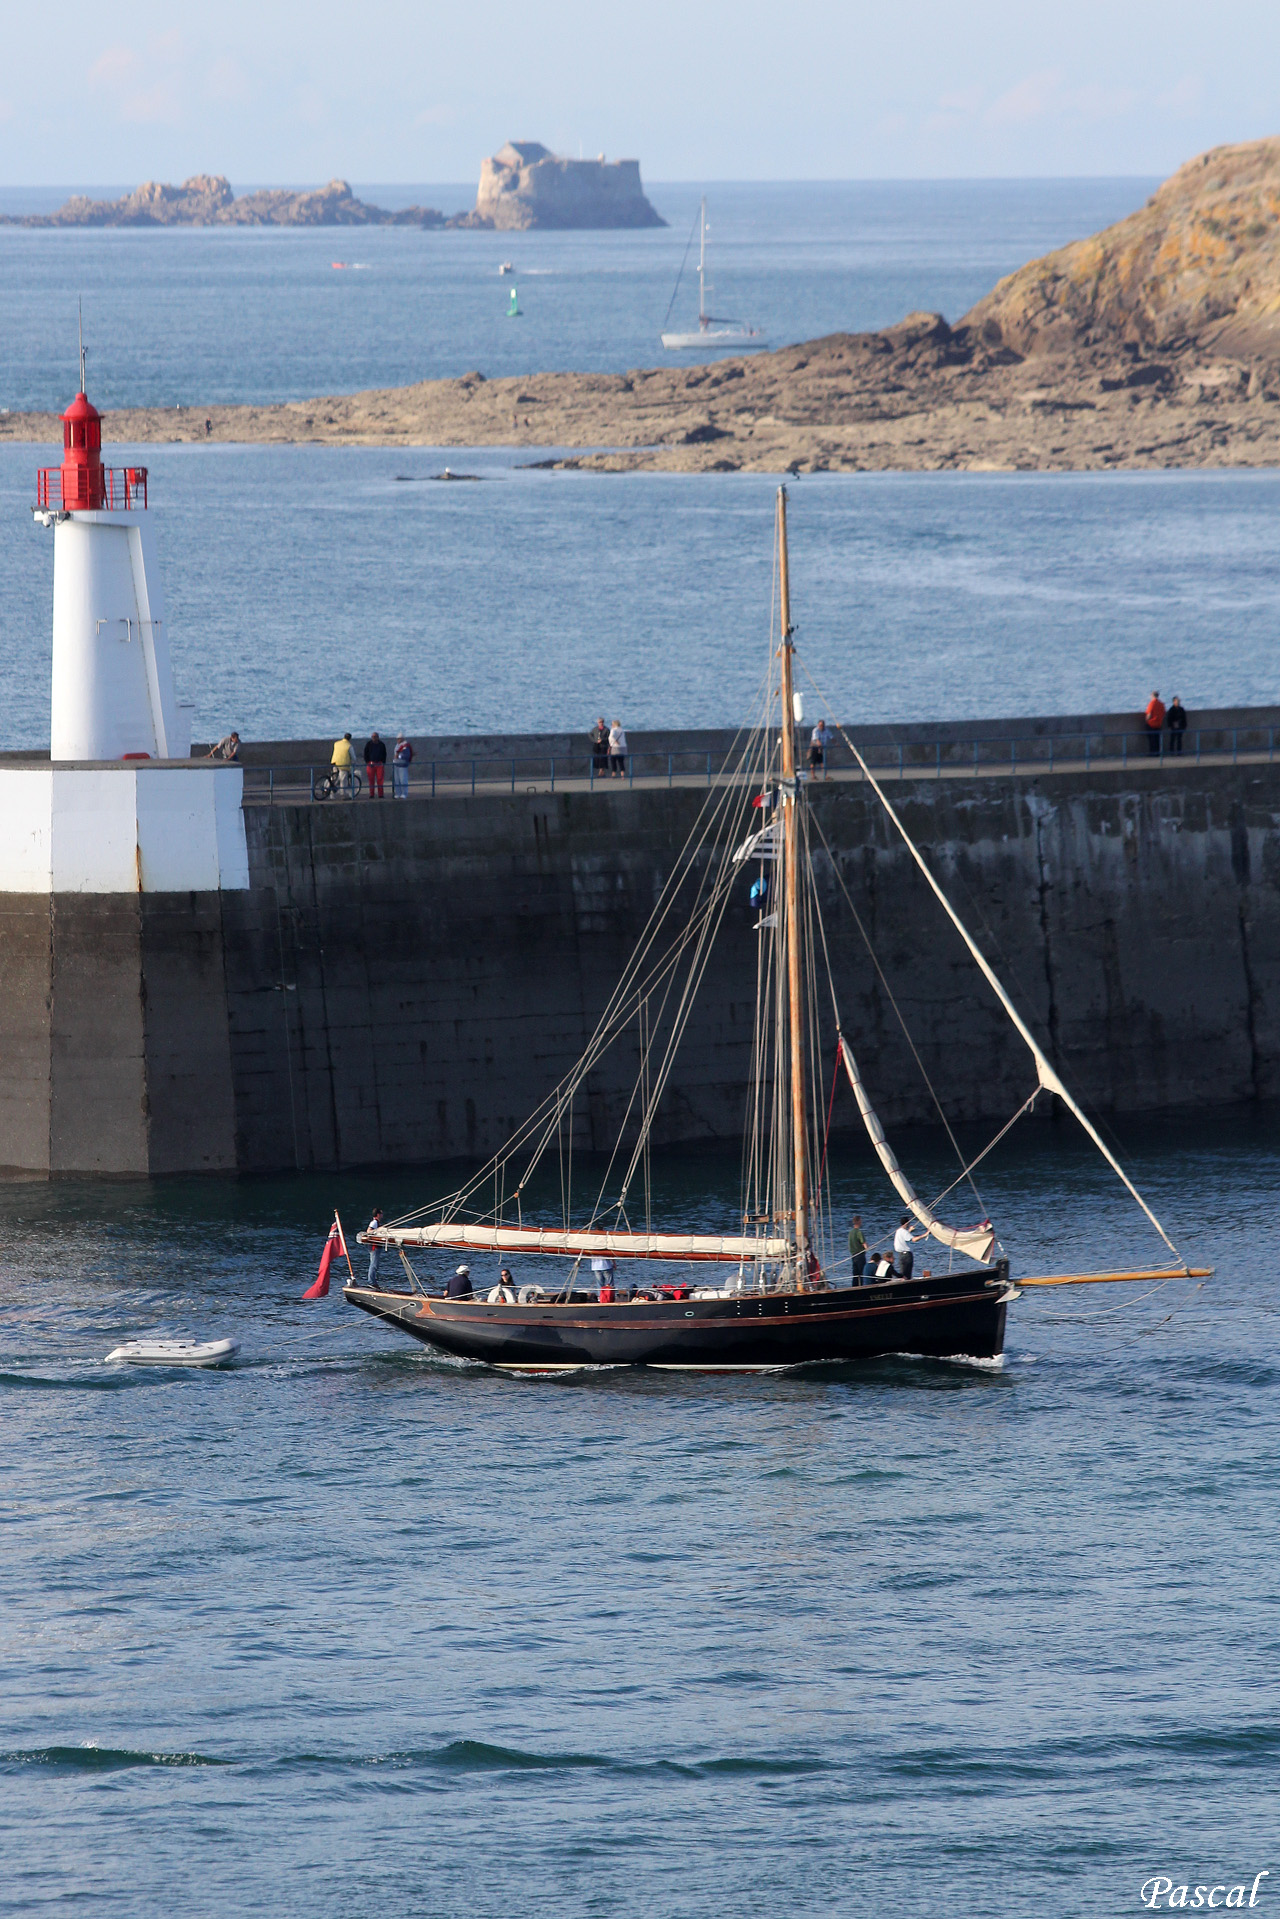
(176, 1352)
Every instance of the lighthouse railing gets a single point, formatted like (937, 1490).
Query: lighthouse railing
(124, 489)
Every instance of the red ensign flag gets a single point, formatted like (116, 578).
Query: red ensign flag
(332, 1245)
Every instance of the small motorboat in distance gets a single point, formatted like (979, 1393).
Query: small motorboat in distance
(507, 266)
(175, 1352)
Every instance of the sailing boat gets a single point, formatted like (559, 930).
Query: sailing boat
(763, 1293)
(711, 331)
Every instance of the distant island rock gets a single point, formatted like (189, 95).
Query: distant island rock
(525, 185)
(207, 200)
(1200, 262)
(1154, 344)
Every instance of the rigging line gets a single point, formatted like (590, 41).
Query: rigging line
(1107, 1312)
(616, 1019)
(1049, 1078)
(831, 1107)
(892, 999)
(693, 980)
(721, 879)
(1008, 1126)
(714, 804)
(684, 262)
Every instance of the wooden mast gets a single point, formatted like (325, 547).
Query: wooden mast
(791, 911)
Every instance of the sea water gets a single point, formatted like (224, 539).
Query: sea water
(190, 316)
(319, 590)
(348, 1629)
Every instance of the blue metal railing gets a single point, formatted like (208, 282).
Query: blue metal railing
(936, 759)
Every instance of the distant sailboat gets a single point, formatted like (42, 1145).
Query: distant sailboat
(711, 330)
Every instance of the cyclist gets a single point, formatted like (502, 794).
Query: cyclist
(343, 760)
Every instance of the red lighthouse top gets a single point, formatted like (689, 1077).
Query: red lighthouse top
(82, 483)
(82, 476)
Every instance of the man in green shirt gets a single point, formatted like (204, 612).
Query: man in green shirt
(857, 1249)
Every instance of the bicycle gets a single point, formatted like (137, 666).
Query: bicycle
(339, 782)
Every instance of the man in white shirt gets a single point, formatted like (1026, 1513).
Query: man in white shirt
(818, 751)
(902, 1241)
(375, 1250)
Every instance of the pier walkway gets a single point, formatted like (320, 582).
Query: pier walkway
(288, 782)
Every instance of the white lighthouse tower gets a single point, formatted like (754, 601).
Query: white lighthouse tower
(113, 693)
(120, 806)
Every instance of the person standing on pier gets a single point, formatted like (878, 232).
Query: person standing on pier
(1155, 721)
(1176, 721)
(818, 750)
(600, 749)
(375, 764)
(401, 760)
(617, 750)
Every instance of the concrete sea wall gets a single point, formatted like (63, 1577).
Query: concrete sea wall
(403, 982)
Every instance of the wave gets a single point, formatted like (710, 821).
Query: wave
(458, 1756)
(103, 1758)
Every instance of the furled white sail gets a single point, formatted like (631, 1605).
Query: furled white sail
(977, 1241)
(555, 1239)
(1047, 1077)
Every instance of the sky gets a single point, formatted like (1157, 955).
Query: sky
(298, 91)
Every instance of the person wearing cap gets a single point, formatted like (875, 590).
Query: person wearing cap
(375, 1248)
(460, 1286)
(504, 1293)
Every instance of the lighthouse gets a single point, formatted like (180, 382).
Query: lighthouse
(117, 854)
(113, 695)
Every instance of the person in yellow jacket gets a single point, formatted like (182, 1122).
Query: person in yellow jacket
(343, 759)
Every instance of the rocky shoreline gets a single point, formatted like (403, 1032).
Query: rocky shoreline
(1154, 344)
(921, 396)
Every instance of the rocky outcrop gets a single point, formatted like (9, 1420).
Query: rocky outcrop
(525, 185)
(1152, 345)
(207, 200)
(1199, 265)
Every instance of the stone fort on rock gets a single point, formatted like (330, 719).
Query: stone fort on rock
(525, 185)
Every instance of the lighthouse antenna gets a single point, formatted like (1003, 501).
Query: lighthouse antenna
(81, 306)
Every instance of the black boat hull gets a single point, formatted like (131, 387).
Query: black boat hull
(957, 1315)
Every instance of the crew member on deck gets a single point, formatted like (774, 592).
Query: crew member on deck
(375, 1250)
(459, 1286)
(857, 1249)
(902, 1242)
(504, 1293)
